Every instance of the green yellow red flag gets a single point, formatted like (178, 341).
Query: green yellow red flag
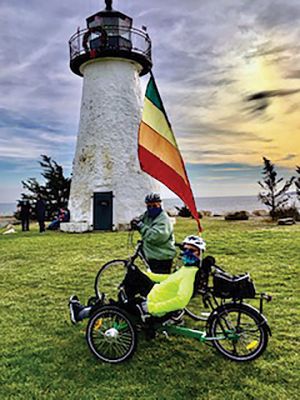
(158, 151)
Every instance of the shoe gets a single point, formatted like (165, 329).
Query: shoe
(172, 321)
(175, 319)
(178, 316)
(75, 308)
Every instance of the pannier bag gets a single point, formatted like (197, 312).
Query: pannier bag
(229, 286)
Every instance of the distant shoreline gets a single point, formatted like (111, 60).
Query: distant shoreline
(215, 205)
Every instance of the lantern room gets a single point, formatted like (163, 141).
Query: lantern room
(109, 33)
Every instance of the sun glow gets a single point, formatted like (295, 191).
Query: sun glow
(265, 126)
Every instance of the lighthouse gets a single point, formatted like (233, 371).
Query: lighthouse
(108, 187)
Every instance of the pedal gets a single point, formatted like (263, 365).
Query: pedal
(166, 335)
(92, 301)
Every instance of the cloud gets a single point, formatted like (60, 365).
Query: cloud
(261, 99)
(204, 55)
(277, 14)
(289, 157)
(9, 118)
(214, 132)
(266, 49)
(271, 93)
(293, 74)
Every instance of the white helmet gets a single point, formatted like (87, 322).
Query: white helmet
(195, 241)
(153, 198)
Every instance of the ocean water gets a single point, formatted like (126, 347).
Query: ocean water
(221, 205)
(217, 205)
(7, 208)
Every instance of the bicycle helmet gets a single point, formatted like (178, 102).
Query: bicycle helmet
(195, 241)
(153, 198)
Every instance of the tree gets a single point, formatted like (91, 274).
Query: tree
(297, 182)
(273, 196)
(184, 211)
(56, 189)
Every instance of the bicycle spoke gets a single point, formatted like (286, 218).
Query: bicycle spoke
(112, 337)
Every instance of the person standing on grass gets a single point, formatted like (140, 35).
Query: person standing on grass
(157, 234)
(25, 214)
(40, 210)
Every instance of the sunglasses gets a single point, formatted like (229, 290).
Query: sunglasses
(192, 249)
(153, 205)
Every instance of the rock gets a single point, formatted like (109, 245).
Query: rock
(10, 229)
(260, 213)
(5, 221)
(172, 212)
(286, 221)
(237, 216)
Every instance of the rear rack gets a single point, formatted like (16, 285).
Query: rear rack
(262, 297)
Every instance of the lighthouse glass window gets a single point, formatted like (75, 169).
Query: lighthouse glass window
(125, 25)
(111, 24)
(98, 21)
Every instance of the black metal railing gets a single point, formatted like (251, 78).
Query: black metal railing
(110, 41)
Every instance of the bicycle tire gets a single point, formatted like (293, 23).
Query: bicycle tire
(246, 323)
(109, 278)
(195, 309)
(111, 336)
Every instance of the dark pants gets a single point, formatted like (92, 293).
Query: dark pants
(160, 266)
(42, 225)
(54, 225)
(25, 224)
(136, 282)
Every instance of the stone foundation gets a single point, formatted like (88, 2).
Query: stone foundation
(75, 227)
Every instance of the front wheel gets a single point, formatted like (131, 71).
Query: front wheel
(240, 332)
(109, 278)
(111, 335)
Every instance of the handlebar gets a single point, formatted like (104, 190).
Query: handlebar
(218, 269)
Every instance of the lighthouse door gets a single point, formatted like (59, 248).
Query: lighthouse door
(103, 211)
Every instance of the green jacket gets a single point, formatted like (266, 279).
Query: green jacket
(173, 292)
(158, 238)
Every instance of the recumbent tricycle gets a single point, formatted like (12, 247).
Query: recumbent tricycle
(237, 330)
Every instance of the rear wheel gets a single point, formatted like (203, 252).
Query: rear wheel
(109, 278)
(242, 332)
(111, 335)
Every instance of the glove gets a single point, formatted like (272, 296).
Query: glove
(207, 263)
(136, 224)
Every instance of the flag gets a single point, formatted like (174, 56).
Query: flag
(158, 151)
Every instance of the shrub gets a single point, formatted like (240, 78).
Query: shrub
(184, 212)
(237, 216)
(288, 212)
(206, 213)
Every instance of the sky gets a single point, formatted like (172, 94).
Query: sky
(228, 73)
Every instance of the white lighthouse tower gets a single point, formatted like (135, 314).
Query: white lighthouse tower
(108, 187)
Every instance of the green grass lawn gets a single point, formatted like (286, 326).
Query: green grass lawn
(43, 356)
